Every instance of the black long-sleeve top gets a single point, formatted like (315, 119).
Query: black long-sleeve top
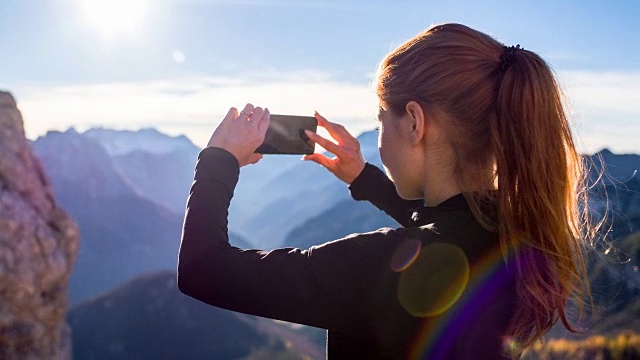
(436, 288)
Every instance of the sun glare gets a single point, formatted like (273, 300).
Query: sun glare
(114, 18)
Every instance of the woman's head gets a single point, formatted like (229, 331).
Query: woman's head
(454, 73)
(499, 112)
(405, 139)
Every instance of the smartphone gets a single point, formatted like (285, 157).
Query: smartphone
(285, 135)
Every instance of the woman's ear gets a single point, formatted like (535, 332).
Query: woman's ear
(417, 122)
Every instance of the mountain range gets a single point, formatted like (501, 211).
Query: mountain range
(127, 190)
(145, 156)
(149, 318)
(124, 232)
(294, 195)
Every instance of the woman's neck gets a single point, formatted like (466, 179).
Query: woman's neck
(439, 183)
(437, 190)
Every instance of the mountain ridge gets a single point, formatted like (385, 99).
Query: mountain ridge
(332, 206)
(148, 318)
(123, 232)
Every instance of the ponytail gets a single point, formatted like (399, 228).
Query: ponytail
(502, 111)
(540, 188)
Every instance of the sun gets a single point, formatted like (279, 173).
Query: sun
(114, 18)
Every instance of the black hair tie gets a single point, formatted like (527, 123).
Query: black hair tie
(508, 55)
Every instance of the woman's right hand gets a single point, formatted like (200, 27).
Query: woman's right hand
(348, 162)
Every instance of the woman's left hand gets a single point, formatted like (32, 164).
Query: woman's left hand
(241, 134)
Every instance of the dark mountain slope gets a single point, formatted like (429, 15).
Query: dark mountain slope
(346, 217)
(149, 318)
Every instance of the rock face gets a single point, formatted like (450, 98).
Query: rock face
(38, 246)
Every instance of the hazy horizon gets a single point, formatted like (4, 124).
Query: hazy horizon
(82, 130)
(178, 65)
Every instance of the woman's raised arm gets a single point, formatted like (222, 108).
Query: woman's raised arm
(279, 284)
(328, 286)
(366, 181)
(287, 284)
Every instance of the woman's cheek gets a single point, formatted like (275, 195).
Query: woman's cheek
(382, 147)
(380, 142)
(386, 153)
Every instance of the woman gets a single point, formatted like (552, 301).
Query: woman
(486, 184)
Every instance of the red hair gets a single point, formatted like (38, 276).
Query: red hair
(509, 132)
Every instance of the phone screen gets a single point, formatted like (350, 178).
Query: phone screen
(285, 135)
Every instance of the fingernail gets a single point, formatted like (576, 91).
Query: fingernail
(309, 132)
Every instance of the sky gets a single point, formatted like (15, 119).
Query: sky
(178, 65)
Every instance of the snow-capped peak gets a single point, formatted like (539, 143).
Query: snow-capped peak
(122, 142)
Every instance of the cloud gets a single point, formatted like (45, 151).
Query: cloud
(178, 57)
(617, 92)
(604, 107)
(194, 106)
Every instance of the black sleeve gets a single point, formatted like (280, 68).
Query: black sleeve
(280, 284)
(374, 186)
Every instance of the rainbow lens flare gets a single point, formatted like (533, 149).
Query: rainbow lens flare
(433, 280)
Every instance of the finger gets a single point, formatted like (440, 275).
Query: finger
(246, 112)
(254, 158)
(336, 131)
(231, 114)
(320, 159)
(257, 114)
(263, 123)
(311, 144)
(327, 144)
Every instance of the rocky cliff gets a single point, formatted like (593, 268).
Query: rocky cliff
(38, 246)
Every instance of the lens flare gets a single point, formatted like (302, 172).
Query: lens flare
(439, 333)
(434, 281)
(510, 345)
(405, 255)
